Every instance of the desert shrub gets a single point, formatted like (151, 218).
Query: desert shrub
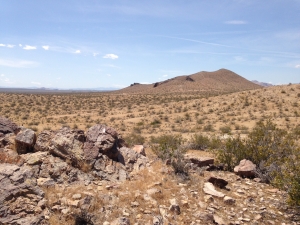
(274, 151)
(134, 139)
(165, 145)
(199, 142)
(208, 128)
(170, 147)
(232, 152)
(225, 129)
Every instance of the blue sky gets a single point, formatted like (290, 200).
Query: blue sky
(88, 44)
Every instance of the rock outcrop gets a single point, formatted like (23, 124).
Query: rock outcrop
(7, 126)
(25, 141)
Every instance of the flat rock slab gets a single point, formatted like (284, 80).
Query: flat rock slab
(7, 169)
(210, 190)
(200, 161)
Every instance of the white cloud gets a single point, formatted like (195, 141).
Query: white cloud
(20, 45)
(110, 56)
(10, 46)
(46, 47)
(2, 75)
(17, 63)
(6, 80)
(297, 66)
(35, 83)
(28, 47)
(165, 75)
(2, 45)
(77, 52)
(95, 54)
(235, 22)
(108, 75)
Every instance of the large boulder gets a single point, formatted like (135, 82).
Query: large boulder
(67, 144)
(43, 141)
(7, 126)
(101, 139)
(246, 168)
(25, 141)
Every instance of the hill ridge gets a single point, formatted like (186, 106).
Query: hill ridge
(220, 81)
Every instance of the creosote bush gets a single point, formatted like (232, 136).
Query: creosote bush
(275, 152)
(170, 147)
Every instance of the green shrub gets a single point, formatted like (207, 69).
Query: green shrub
(199, 142)
(170, 147)
(232, 152)
(274, 151)
(134, 139)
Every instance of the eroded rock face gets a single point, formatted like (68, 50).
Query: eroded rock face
(25, 141)
(7, 126)
(101, 139)
(43, 141)
(246, 168)
(67, 144)
(20, 196)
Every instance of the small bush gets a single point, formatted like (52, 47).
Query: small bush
(199, 142)
(225, 129)
(134, 139)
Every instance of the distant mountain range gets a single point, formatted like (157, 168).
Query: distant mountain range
(262, 83)
(54, 90)
(220, 81)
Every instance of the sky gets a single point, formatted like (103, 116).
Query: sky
(100, 43)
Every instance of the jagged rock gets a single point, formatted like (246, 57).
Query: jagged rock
(10, 156)
(43, 141)
(25, 141)
(68, 144)
(34, 158)
(210, 189)
(139, 149)
(132, 160)
(101, 139)
(20, 197)
(174, 207)
(219, 182)
(121, 221)
(228, 200)
(7, 126)
(200, 161)
(246, 168)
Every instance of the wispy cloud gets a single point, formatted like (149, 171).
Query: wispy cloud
(46, 47)
(18, 63)
(95, 54)
(297, 66)
(236, 22)
(2, 75)
(77, 52)
(28, 47)
(110, 56)
(8, 45)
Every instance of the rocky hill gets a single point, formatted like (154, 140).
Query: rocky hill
(220, 81)
(264, 84)
(68, 176)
